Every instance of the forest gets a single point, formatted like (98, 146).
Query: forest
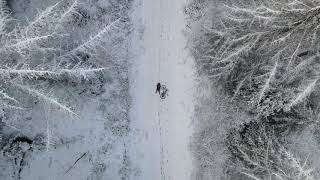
(258, 107)
(78, 81)
(64, 89)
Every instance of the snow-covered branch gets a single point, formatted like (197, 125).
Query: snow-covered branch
(47, 98)
(260, 155)
(47, 74)
(93, 41)
(248, 38)
(42, 50)
(4, 16)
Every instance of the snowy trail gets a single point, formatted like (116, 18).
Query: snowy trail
(161, 128)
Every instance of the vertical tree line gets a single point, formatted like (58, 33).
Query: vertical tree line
(265, 56)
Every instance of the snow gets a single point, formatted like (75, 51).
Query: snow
(161, 129)
(95, 144)
(56, 139)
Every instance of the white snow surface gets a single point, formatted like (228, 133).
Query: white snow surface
(161, 129)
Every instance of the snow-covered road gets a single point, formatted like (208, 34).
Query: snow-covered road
(161, 129)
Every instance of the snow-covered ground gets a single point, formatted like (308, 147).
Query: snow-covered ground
(99, 144)
(43, 142)
(161, 129)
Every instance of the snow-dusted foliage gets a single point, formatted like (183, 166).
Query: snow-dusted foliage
(4, 16)
(263, 49)
(40, 53)
(259, 155)
(49, 51)
(215, 114)
(264, 57)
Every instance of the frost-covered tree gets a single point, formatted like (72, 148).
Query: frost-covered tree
(54, 65)
(50, 63)
(47, 51)
(4, 15)
(258, 154)
(265, 53)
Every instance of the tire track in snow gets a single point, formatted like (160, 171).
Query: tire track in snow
(163, 177)
(161, 52)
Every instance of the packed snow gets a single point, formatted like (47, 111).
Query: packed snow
(161, 127)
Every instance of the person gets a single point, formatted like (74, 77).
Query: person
(158, 88)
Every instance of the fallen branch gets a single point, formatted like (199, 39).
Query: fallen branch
(83, 155)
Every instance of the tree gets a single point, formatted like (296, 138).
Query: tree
(260, 155)
(53, 61)
(259, 50)
(63, 64)
(264, 55)
(42, 52)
